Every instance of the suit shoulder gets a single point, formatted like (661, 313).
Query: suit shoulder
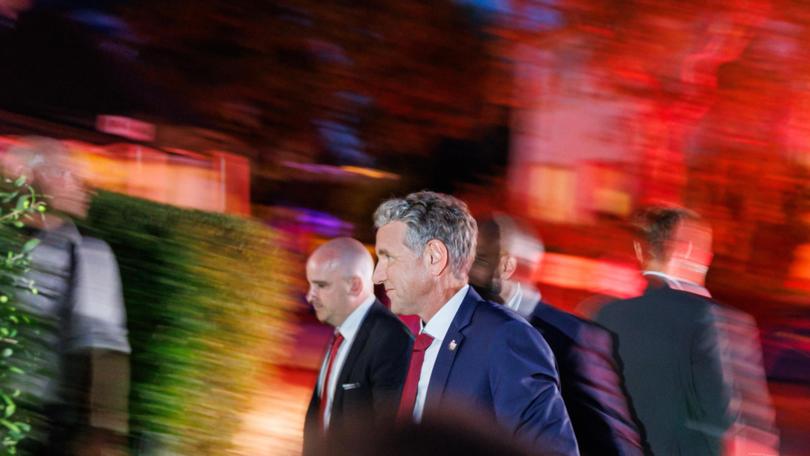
(616, 307)
(665, 306)
(688, 301)
(95, 243)
(576, 330)
(97, 248)
(492, 314)
(662, 295)
(502, 325)
(384, 321)
(548, 316)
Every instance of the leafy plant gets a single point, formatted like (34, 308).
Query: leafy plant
(18, 202)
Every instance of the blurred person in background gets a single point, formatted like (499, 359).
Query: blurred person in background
(692, 366)
(79, 384)
(753, 431)
(365, 364)
(470, 352)
(507, 258)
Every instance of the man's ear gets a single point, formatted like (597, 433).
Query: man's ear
(355, 286)
(507, 265)
(436, 256)
(639, 252)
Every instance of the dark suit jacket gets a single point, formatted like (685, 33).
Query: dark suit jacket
(503, 369)
(667, 343)
(592, 386)
(371, 379)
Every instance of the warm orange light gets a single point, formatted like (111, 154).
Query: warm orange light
(369, 172)
(597, 276)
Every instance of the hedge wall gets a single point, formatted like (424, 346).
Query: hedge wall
(208, 309)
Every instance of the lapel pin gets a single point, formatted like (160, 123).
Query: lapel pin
(452, 345)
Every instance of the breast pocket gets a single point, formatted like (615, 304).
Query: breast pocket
(350, 386)
(355, 397)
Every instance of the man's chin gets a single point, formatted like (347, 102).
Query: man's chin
(488, 293)
(400, 310)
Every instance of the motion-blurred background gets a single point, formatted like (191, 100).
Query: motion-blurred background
(228, 138)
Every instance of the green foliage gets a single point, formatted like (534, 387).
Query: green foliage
(18, 203)
(207, 308)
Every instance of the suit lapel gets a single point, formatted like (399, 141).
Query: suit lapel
(355, 351)
(453, 339)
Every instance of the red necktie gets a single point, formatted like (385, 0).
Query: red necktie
(408, 400)
(337, 339)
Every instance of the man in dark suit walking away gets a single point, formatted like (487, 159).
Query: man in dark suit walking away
(507, 257)
(367, 358)
(669, 340)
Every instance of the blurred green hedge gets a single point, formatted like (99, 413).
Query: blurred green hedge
(208, 308)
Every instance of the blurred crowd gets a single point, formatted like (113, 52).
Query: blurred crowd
(669, 372)
(465, 349)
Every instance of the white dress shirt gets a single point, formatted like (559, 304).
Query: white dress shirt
(437, 328)
(514, 301)
(348, 330)
(523, 301)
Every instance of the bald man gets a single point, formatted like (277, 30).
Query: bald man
(366, 361)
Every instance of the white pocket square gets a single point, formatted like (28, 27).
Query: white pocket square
(349, 386)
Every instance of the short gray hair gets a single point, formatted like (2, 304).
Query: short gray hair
(431, 215)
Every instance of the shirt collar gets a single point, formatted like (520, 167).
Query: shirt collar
(523, 301)
(438, 325)
(514, 301)
(679, 284)
(352, 323)
(66, 230)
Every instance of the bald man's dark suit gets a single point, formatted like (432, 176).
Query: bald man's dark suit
(370, 381)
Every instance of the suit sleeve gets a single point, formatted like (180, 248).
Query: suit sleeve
(526, 392)
(712, 391)
(99, 314)
(600, 399)
(389, 368)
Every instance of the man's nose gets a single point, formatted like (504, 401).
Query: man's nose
(379, 276)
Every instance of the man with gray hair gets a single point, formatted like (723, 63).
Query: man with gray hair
(470, 353)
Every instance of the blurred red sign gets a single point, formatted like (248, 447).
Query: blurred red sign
(126, 127)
